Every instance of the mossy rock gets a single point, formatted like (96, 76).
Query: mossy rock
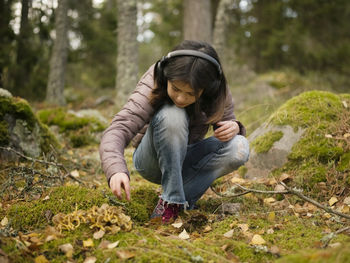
(80, 129)
(21, 130)
(304, 137)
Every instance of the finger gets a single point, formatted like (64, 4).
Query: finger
(126, 186)
(223, 126)
(117, 191)
(227, 131)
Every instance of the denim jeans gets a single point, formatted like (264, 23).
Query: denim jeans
(184, 171)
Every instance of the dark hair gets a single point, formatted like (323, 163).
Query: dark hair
(199, 73)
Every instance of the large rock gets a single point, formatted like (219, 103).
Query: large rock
(307, 137)
(21, 130)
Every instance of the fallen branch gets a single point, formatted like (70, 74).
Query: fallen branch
(287, 191)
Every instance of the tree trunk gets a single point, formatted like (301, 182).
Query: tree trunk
(127, 56)
(58, 61)
(197, 20)
(222, 22)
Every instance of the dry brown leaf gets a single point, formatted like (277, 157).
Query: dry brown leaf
(285, 177)
(345, 104)
(67, 249)
(88, 243)
(274, 250)
(4, 221)
(74, 173)
(104, 244)
(332, 201)
(279, 188)
(347, 200)
(243, 227)
(346, 135)
(257, 240)
(177, 225)
(184, 235)
(125, 254)
(41, 259)
(99, 234)
(270, 231)
(113, 245)
(328, 136)
(90, 260)
(269, 200)
(237, 180)
(207, 229)
(229, 234)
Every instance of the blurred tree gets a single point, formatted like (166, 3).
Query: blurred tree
(127, 57)
(7, 38)
(56, 81)
(198, 20)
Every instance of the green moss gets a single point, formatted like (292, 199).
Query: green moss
(264, 143)
(344, 163)
(144, 199)
(308, 108)
(64, 199)
(20, 109)
(4, 133)
(67, 121)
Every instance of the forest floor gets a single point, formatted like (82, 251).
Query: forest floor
(60, 209)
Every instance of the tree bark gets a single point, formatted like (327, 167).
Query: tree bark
(127, 56)
(58, 61)
(197, 20)
(222, 22)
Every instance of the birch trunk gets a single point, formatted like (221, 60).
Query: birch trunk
(58, 61)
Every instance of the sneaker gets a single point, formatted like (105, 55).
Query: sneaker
(165, 212)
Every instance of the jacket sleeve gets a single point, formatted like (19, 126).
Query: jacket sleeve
(125, 125)
(229, 114)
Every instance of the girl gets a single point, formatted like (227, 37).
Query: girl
(178, 97)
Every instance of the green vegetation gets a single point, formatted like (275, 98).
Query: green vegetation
(20, 109)
(78, 129)
(264, 143)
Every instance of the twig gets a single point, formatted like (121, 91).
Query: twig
(289, 191)
(235, 195)
(327, 209)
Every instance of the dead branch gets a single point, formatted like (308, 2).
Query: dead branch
(287, 191)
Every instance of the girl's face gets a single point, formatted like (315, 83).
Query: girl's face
(181, 93)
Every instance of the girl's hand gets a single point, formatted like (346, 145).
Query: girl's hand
(119, 181)
(226, 131)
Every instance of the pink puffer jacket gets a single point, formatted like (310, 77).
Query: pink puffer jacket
(132, 121)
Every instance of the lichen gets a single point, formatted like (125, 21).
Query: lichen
(264, 143)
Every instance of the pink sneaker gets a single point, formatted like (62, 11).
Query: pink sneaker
(166, 212)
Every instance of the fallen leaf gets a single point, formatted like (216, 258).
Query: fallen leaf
(67, 249)
(4, 221)
(345, 104)
(237, 180)
(125, 254)
(269, 200)
(257, 240)
(285, 177)
(332, 201)
(347, 200)
(335, 245)
(113, 245)
(104, 244)
(46, 198)
(345, 209)
(90, 260)
(88, 243)
(177, 225)
(270, 231)
(207, 229)
(99, 234)
(184, 235)
(41, 259)
(229, 234)
(271, 216)
(274, 250)
(328, 136)
(243, 227)
(74, 173)
(346, 135)
(279, 188)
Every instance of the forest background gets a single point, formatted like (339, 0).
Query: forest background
(259, 36)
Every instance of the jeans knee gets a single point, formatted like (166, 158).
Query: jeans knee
(240, 150)
(172, 117)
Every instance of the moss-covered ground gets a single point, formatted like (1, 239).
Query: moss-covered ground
(290, 230)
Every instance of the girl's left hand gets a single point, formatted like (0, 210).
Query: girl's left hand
(226, 131)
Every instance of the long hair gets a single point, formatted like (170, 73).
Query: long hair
(199, 73)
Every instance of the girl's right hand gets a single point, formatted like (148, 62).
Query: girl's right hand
(119, 181)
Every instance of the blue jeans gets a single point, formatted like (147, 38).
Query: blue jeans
(184, 171)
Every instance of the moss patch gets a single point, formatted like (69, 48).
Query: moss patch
(62, 199)
(20, 109)
(264, 143)
(78, 129)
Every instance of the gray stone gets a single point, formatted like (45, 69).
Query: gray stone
(261, 164)
(29, 141)
(5, 93)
